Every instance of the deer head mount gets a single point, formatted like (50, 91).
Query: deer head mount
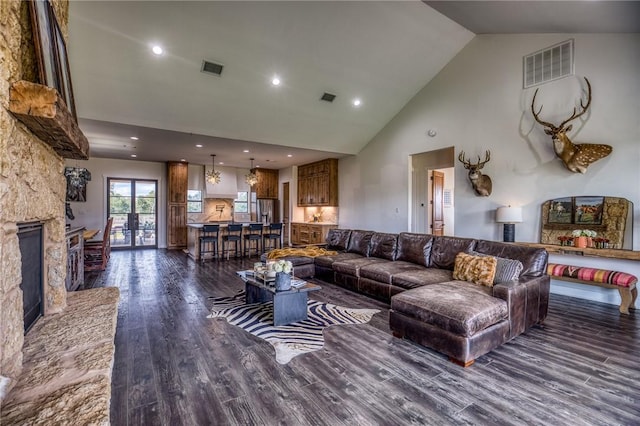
(576, 157)
(481, 183)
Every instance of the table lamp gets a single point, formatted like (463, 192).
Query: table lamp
(509, 216)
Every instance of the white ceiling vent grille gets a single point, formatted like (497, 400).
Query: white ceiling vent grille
(548, 64)
(211, 68)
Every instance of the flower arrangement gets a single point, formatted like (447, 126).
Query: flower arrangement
(283, 266)
(584, 233)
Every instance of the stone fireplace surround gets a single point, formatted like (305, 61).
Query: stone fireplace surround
(67, 349)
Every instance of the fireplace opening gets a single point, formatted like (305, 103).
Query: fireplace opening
(31, 248)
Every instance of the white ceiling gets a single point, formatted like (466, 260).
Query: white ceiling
(381, 52)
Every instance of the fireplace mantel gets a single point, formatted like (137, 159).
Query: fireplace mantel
(43, 111)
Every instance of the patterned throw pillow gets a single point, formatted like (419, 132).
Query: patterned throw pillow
(506, 269)
(476, 269)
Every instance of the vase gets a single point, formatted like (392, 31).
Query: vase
(581, 242)
(283, 281)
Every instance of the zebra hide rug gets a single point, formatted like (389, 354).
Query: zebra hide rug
(288, 340)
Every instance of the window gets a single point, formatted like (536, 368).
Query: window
(194, 201)
(241, 204)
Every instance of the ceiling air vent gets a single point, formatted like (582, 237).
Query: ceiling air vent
(327, 97)
(211, 68)
(548, 64)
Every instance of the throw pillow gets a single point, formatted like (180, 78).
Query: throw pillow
(476, 269)
(506, 269)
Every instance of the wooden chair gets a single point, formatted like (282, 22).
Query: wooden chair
(96, 253)
(253, 235)
(209, 240)
(233, 235)
(273, 237)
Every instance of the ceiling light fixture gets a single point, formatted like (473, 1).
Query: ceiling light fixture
(246, 150)
(212, 176)
(251, 178)
(357, 102)
(134, 138)
(133, 155)
(289, 155)
(275, 81)
(157, 50)
(199, 146)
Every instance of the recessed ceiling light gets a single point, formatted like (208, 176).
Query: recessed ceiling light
(245, 150)
(183, 160)
(133, 155)
(275, 81)
(257, 165)
(289, 155)
(357, 102)
(199, 146)
(134, 138)
(158, 50)
(221, 163)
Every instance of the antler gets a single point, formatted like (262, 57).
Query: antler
(487, 156)
(466, 163)
(584, 107)
(535, 115)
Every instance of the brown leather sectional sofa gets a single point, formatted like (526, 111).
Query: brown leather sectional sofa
(414, 273)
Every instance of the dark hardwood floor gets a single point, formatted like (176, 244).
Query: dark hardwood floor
(173, 366)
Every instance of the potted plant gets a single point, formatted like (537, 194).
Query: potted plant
(583, 237)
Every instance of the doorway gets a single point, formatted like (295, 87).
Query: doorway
(423, 212)
(133, 204)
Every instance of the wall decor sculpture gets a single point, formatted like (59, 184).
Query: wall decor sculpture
(481, 183)
(77, 179)
(576, 157)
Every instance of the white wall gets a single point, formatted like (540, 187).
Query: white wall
(92, 214)
(476, 103)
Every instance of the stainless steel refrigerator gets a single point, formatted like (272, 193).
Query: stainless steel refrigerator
(267, 211)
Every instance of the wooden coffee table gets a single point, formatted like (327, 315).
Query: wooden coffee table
(289, 306)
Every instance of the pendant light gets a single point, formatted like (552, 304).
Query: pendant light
(212, 176)
(251, 178)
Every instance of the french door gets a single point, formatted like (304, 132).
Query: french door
(133, 204)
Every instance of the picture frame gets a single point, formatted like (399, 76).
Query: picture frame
(51, 52)
(561, 210)
(588, 210)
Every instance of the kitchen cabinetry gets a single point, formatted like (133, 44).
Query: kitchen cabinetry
(177, 184)
(318, 183)
(267, 186)
(308, 233)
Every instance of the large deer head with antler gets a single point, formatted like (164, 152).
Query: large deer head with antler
(481, 183)
(576, 157)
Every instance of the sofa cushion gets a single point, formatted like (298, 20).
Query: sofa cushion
(383, 272)
(419, 277)
(475, 269)
(534, 260)
(459, 307)
(414, 248)
(445, 249)
(383, 246)
(359, 242)
(506, 269)
(327, 261)
(338, 239)
(352, 266)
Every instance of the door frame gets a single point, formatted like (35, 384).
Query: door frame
(133, 245)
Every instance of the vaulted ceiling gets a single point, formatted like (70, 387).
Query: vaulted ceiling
(382, 53)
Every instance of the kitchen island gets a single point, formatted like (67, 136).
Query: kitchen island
(194, 232)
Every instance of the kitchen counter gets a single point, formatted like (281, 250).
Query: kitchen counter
(193, 234)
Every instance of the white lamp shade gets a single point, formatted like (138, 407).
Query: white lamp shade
(509, 214)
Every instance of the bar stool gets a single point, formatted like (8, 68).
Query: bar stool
(253, 234)
(273, 238)
(209, 240)
(233, 235)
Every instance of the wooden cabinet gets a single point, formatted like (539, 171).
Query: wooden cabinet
(307, 233)
(267, 186)
(318, 183)
(177, 184)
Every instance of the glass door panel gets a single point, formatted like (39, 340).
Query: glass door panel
(133, 205)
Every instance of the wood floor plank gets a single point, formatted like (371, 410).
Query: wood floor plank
(174, 366)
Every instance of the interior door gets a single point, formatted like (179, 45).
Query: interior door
(133, 204)
(437, 203)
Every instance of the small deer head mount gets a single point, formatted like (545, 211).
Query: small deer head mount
(576, 157)
(481, 183)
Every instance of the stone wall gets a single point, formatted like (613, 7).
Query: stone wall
(32, 188)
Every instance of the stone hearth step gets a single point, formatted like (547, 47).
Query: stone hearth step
(68, 358)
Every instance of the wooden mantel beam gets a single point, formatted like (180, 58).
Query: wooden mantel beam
(44, 112)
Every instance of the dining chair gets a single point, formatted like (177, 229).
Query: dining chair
(273, 238)
(253, 239)
(97, 252)
(233, 235)
(209, 241)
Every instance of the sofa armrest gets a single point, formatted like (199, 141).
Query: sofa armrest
(527, 300)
